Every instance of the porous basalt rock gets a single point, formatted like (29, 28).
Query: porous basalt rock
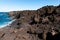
(40, 24)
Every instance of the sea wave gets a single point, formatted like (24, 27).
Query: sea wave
(7, 24)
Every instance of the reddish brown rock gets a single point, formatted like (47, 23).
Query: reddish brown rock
(40, 24)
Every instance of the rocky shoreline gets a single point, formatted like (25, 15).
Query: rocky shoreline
(40, 24)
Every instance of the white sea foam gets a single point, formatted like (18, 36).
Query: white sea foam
(7, 24)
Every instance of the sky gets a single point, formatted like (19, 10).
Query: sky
(17, 5)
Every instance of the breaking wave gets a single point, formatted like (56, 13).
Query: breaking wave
(7, 24)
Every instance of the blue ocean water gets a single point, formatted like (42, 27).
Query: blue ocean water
(4, 18)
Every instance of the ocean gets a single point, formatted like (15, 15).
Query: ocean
(5, 19)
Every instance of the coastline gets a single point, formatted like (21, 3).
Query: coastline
(40, 24)
(7, 24)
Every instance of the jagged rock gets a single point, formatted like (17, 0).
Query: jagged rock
(40, 24)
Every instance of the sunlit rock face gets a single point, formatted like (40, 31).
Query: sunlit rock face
(40, 24)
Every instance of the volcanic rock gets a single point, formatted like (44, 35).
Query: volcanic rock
(40, 24)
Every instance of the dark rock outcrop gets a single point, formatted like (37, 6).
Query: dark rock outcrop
(40, 24)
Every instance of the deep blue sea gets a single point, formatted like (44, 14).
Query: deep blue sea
(4, 19)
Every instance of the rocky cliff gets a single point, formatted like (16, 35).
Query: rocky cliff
(40, 24)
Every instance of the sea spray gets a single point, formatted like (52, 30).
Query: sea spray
(7, 24)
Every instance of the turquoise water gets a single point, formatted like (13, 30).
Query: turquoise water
(4, 18)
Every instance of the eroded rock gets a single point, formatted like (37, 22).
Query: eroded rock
(34, 25)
